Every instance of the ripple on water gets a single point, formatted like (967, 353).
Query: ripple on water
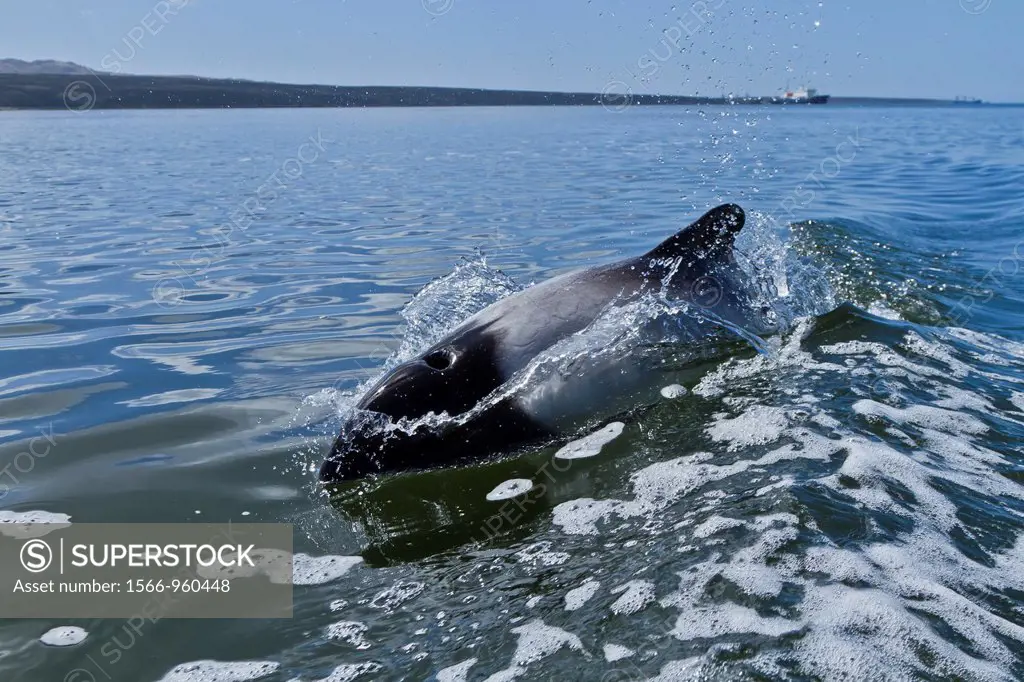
(848, 503)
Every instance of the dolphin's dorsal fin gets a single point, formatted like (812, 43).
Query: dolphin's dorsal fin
(710, 237)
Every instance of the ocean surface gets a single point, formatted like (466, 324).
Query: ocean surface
(191, 300)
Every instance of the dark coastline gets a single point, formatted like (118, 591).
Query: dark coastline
(82, 92)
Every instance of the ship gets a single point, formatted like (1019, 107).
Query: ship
(800, 96)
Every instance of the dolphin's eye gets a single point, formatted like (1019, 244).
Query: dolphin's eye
(440, 359)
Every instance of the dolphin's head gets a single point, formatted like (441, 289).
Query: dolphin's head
(370, 443)
(383, 435)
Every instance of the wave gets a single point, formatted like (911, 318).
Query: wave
(844, 495)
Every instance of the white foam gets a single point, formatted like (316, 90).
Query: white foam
(758, 425)
(577, 597)
(540, 553)
(783, 483)
(910, 607)
(873, 465)
(825, 420)
(281, 567)
(897, 583)
(349, 672)
(637, 595)
(885, 356)
(591, 445)
(220, 671)
(959, 399)
(580, 517)
(923, 415)
(31, 524)
(728, 619)
(536, 641)
(673, 391)
(688, 670)
(510, 489)
(664, 483)
(865, 633)
(392, 597)
(67, 635)
(918, 345)
(456, 673)
(788, 356)
(988, 342)
(617, 652)
(310, 570)
(350, 632)
(857, 617)
(714, 525)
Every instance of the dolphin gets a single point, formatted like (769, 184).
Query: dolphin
(396, 427)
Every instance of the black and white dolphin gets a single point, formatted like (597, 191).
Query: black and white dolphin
(461, 371)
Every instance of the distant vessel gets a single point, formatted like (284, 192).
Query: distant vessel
(967, 100)
(800, 96)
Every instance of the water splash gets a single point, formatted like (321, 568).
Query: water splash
(655, 333)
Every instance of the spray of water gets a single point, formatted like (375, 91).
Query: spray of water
(654, 333)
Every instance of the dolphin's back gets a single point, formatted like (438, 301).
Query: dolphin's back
(529, 322)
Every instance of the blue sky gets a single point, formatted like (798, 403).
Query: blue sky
(926, 48)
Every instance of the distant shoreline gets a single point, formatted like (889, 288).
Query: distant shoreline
(82, 92)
